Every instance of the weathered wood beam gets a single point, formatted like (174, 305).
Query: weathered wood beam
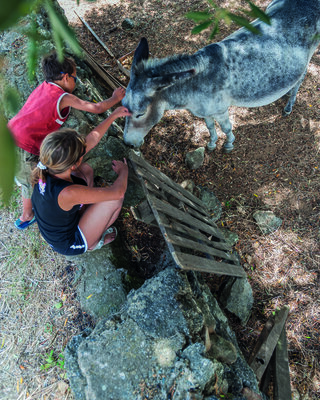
(267, 342)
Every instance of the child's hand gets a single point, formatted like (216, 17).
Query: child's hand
(119, 166)
(121, 112)
(119, 94)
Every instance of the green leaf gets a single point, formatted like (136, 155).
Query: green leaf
(215, 30)
(201, 27)
(58, 305)
(7, 160)
(244, 22)
(256, 12)
(11, 11)
(61, 29)
(11, 100)
(198, 16)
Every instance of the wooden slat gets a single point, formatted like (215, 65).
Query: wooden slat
(142, 163)
(195, 245)
(281, 386)
(174, 192)
(184, 217)
(120, 66)
(188, 261)
(197, 235)
(262, 353)
(144, 213)
(180, 205)
(104, 75)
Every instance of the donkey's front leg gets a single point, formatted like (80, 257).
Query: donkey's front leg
(226, 127)
(293, 94)
(213, 133)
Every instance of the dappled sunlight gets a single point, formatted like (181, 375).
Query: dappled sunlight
(164, 353)
(314, 70)
(281, 256)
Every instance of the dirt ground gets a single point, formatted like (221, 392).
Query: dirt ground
(274, 166)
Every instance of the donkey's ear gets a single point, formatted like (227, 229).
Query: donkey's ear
(142, 52)
(161, 82)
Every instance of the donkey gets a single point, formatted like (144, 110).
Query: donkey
(244, 69)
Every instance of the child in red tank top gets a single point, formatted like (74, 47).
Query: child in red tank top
(45, 110)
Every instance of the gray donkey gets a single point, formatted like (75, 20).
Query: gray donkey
(244, 70)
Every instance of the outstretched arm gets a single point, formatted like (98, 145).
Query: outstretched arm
(97, 133)
(79, 194)
(69, 100)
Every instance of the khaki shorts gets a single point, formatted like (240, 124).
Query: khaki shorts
(26, 163)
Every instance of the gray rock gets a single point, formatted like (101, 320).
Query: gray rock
(101, 291)
(127, 24)
(231, 237)
(237, 298)
(155, 308)
(211, 202)
(267, 221)
(194, 159)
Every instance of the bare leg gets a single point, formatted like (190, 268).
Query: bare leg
(97, 218)
(27, 212)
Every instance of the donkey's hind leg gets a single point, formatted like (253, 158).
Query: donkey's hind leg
(213, 133)
(293, 94)
(226, 127)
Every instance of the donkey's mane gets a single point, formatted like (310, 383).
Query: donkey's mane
(159, 66)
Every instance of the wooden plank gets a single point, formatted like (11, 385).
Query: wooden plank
(166, 188)
(104, 75)
(179, 227)
(281, 384)
(144, 213)
(120, 66)
(188, 261)
(184, 217)
(262, 353)
(142, 163)
(195, 245)
(174, 200)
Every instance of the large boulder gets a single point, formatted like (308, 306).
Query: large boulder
(156, 346)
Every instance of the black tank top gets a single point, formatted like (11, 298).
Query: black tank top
(56, 225)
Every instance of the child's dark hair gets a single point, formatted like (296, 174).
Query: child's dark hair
(53, 69)
(59, 151)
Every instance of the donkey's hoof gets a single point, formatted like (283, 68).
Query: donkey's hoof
(227, 149)
(211, 148)
(286, 113)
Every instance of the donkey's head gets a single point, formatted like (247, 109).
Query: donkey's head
(145, 97)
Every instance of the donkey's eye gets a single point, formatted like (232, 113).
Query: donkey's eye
(140, 115)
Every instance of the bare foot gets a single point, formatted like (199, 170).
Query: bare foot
(110, 237)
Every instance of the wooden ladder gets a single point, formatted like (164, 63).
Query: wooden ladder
(194, 240)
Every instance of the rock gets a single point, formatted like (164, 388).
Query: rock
(147, 350)
(194, 159)
(237, 298)
(127, 24)
(231, 237)
(211, 202)
(267, 221)
(189, 185)
(222, 350)
(101, 291)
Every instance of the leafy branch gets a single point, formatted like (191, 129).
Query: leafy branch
(206, 19)
(62, 35)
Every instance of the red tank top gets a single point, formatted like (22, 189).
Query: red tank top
(38, 117)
